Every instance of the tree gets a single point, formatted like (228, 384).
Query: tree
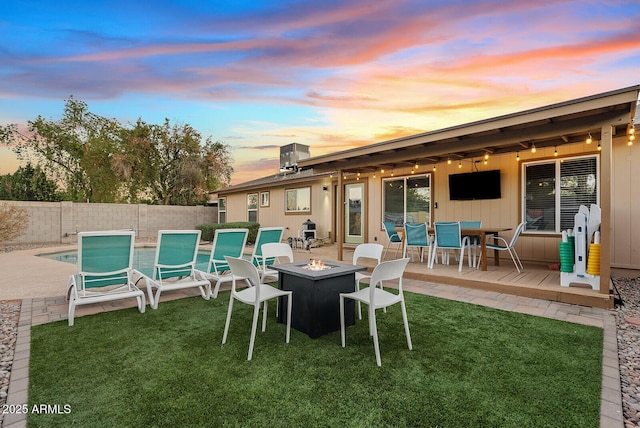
(75, 151)
(13, 222)
(98, 160)
(170, 165)
(28, 184)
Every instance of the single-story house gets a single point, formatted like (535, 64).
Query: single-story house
(536, 166)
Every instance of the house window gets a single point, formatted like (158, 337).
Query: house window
(222, 210)
(554, 190)
(264, 199)
(252, 207)
(407, 199)
(298, 200)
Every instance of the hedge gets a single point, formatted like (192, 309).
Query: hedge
(209, 229)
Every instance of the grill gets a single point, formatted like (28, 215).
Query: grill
(308, 230)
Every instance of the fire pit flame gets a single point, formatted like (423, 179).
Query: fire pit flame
(317, 265)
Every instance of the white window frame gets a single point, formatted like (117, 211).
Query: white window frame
(558, 201)
(297, 210)
(252, 206)
(222, 209)
(404, 207)
(264, 199)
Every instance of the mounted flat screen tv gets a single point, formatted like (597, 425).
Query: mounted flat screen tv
(475, 185)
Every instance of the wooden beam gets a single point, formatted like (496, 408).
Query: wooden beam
(340, 219)
(606, 171)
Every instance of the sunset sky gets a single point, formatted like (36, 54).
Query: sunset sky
(330, 74)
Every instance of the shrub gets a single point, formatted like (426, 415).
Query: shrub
(13, 222)
(209, 229)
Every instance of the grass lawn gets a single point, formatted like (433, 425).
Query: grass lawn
(470, 366)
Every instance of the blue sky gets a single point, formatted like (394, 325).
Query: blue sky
(330, 74)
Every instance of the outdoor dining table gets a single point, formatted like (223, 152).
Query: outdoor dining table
(482, 232)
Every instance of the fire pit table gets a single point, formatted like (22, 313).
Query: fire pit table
(316, 295)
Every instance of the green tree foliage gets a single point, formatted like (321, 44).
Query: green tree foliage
(170, 165)
(28, 184)
(74, 151)
(98, 160)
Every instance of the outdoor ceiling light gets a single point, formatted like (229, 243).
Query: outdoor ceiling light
(589, 139)
(518, 156)
(533, 147)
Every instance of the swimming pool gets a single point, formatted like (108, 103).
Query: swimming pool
(143, 258)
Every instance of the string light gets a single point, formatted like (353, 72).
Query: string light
(486, 157)
(381, 170)
(434, 167)
(449, 161)
(517, 156)
(555, 150)
(416, 166)
(599, 146)
(533, 148)
(589, 140)
(459, 164)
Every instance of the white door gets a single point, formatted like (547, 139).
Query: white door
(353, 214)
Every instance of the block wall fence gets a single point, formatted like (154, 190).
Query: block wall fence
(59, 222)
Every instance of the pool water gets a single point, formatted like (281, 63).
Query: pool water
(143, 258)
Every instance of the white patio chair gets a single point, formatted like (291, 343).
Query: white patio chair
(366, 251)
(507, 246)
(273, 253)
(378, 298)
(174, 267)
(105, 270)
(265, 235)
(226, 242)
(256, 295)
